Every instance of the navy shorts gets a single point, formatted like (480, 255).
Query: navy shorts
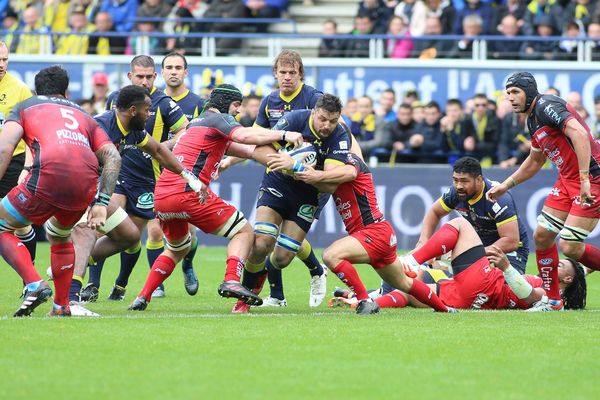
(518, 260)
(140, 199)
(11, 176)
(299, 206)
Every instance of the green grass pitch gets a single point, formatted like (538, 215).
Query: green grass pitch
(186, 347)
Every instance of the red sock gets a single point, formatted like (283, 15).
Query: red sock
(347, 274)
(234, 269)
(591, 257)
(62, 259)
(17, 256)
(547, 262)
(394, 299)
(440, 243)
(425, 295)
(161, 269)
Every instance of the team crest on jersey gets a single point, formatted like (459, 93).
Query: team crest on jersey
(393, 240)
(145, 201)
(343, 145)
(307, 212)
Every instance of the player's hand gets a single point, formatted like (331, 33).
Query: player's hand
(223, 165)
(496, 191)
(280, 161)
(22, 176)
(201, 190)
(309, 175)
(497, 257)
(586, 193)
(294, 138)
(96, 217)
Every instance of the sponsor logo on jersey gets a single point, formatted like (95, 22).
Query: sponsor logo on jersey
(22, 198)
(343, 145)
(343, 208)
(541, 135)
(145, 201)
(546, 261)
(393, 240)
(555, 192)
(552, 114)
(72, 137)
(479, 301)
(166, 216)
(307, 212)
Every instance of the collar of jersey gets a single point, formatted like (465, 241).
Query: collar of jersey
(310, 125)
(479, 196)
(152, 91)
(121, 128)
(291, 97)
(182, 95)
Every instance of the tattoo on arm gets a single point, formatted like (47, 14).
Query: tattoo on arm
(109, 158)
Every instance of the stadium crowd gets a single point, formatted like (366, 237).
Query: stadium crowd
(75, 27)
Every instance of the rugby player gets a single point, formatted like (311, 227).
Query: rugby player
(572, 208)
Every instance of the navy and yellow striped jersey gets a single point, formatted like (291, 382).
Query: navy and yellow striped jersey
(165, 116)
(486, 216)
(123, 139)
(191, 104)
(276, 105)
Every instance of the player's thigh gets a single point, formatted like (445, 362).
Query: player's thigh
(347, 248)
(467, 236)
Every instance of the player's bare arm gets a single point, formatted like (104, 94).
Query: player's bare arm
(509, 237)
(581, 145)
(108, 156)
(176, 133)
(262, 136)
(532, 164)
(11, 134)
(329, 180)
(431, 220)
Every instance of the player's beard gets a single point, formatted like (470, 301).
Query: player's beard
(137, 123)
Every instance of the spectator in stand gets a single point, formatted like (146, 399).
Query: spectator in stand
(397, 47)
(77, 42)
(514, 146)
(364, 122)
(418, 111)
(428, 139)
(516, 8)
(580, 11)
(100, 91)
(55, 15)
(182, 26)
(432, 48)
(552, 90)
(483, 143)
(595, 126)
(225, 9)
(10, 23)
(359, 48)
(123, 13)
(146, 44)
(593, 32)
(387, 100)
(28, 42)
(106, 45)
(86, 104)
(506, 49)
(575, 100)
(444, 10)
(249, 110)
(414, 13)
(154, 9)
(378, 11)
(410, 96)
(195, 7)
(400, 131)
(541, 50)
(349, 109)
(548, 11)
(330, 47)
(567, 48)
(472, 27)
(455, 126)
(265, 9)
(474, 7)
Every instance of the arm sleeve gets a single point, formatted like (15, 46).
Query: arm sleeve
(262, 119)
(504, 210)
(225, 124)
(449, 199)
(174, 116)
(552, 113)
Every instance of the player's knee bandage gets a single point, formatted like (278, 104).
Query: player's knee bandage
(232, 226)
(288, 243)
(54, 230)
(266, 228)
(573, 234)
(550, 223)
(114, 220)
(181, 246)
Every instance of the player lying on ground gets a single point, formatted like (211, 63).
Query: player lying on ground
(476, 284)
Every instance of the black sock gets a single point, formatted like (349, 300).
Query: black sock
(188, 260)
(95, 271)
(30, 242)
(75, 289)
(128, 260)
(275, 280)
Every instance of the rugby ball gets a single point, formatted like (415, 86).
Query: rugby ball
(305, 153)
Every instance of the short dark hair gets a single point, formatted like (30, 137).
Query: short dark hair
(480, 96)
(574, 296)
(433, 104)
(390, 90)
(142, 61)
(329, 103)
(467, 165)
(455, 102)
(131, 95)
(405, 106)
(597, 99)
(175, 54)
(52, 80)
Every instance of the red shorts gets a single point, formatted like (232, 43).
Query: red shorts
(565, 196)
(176, 211)
(379, 240)
(38, 211)
(480, 286)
